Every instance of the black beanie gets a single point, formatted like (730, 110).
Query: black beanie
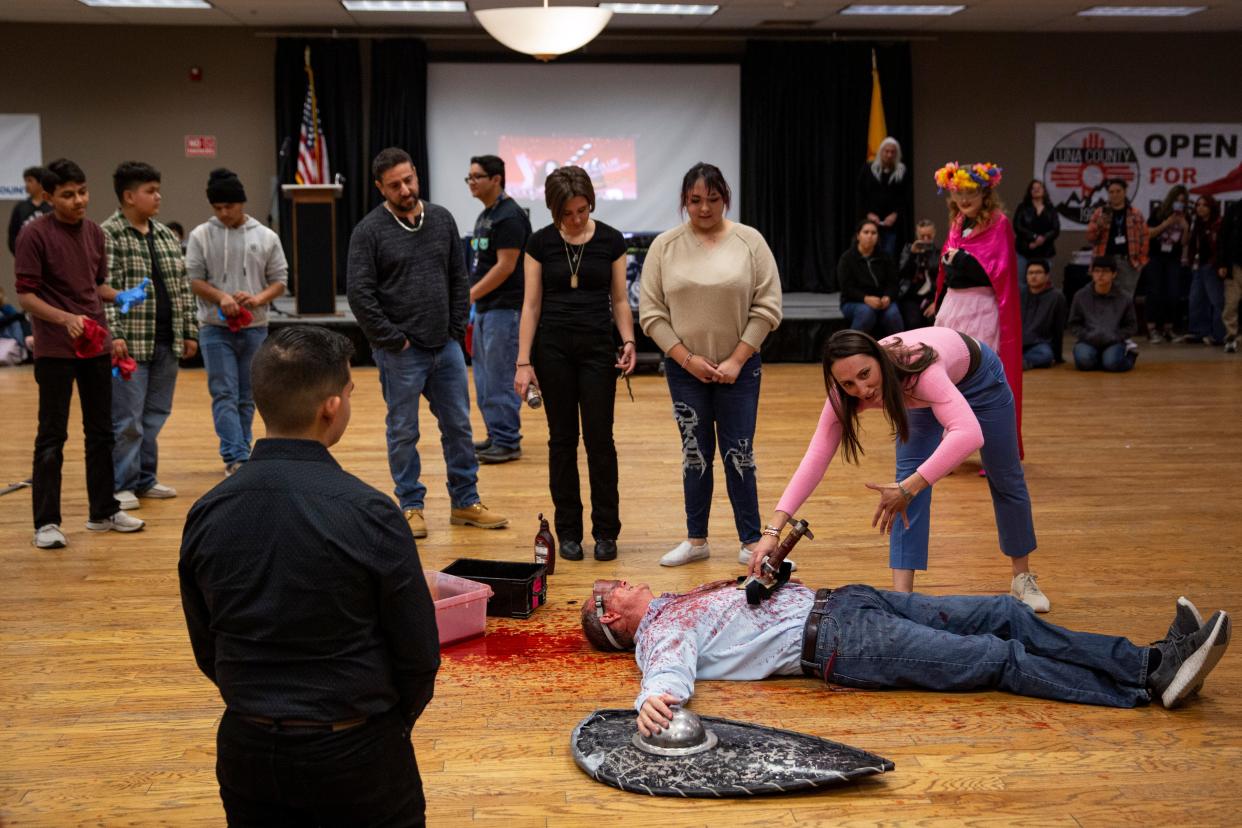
(224, 187)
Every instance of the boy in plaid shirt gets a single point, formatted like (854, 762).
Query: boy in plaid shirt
(155, 333)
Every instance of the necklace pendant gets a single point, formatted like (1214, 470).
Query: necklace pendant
(573, 281)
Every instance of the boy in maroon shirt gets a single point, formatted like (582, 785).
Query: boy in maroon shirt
(62, 275)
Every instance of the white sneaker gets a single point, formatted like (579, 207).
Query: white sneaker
(1231, 347)
(1155, 337)
(744, 555)
(49, 536)
(126, 499)
(1027, 591)
(120, 522)
(157, 492)
(684, 553)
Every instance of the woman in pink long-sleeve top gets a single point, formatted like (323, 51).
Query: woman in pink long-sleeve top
(945, 395)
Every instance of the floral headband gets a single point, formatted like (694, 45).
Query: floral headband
(956, 178)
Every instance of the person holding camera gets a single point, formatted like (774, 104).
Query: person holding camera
(916, 286)
(575, 292)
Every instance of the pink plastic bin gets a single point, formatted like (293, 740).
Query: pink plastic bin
(461, 606)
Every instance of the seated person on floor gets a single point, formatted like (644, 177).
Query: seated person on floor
(859, 636)
(1102, 319)
(1043, 318)
(916, 285)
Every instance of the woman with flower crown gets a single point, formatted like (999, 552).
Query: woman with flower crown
(977, 287)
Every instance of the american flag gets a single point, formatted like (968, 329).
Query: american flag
(312, 148)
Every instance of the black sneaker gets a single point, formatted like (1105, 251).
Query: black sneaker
(483, 445)
(496, 454)
(1186, 621)
(571, 550)
(1186, 660)
(605, 550)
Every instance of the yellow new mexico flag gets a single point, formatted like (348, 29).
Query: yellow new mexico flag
(877, 130)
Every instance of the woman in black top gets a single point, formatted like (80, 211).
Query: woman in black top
(1036, 226)
(1162, 277)
(867, 279)
(883, 191)
(575, 291)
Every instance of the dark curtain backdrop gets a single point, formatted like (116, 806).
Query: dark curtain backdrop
(399, 106)
(338, 88)
(804, 138)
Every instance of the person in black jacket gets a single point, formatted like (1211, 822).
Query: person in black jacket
(1043, 319)
(1036, 227)
(883, 194)
(307, 607)
(868, 282)
(35, 205)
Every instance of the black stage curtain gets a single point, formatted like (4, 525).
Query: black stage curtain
(338, 88)
(399, 106)
(804, 138)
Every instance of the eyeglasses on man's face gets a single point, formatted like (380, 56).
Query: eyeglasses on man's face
(473, 177)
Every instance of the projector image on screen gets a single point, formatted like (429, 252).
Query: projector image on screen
(609, 161)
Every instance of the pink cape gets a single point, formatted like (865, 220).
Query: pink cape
(994, 249)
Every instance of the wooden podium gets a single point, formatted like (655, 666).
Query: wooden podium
(314, 246)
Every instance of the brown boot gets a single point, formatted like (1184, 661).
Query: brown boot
(418, 526)
(477, 515)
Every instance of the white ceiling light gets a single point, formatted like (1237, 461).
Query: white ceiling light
(659, 8)
(404, 5)
(147, 4)
(907, 10)
(1141, 11)
(544, 31)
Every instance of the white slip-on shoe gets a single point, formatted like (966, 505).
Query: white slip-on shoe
(157, 492)
(119, 522)
(684, 553)
(49, 536)
(744, 555)
(126, 499)
(1028, 592)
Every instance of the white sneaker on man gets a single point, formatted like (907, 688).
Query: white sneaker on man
(744, 555)
(1027, 591)
(49, 536)
(119, 522)
(684, 553)
(126, 499)
(157, 492)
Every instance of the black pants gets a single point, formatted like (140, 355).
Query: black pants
(55, 378)
(577, 373)
(363, 776)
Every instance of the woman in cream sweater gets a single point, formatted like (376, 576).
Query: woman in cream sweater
(710, 295)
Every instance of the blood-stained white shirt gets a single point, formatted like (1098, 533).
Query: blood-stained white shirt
(715, 634)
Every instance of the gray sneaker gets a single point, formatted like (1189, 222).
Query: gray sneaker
(49, 536)
(1231, 347)
(1185, 661)
(1186, 620)
(119, 522)
(126, 499)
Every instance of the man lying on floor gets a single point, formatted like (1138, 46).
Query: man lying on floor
(858, 636)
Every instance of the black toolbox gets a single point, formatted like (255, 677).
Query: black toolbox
(518, 588)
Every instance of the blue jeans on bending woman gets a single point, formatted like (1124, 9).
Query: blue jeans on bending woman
(862, 317)
(875, 639)
(990, 399)
(707, 414)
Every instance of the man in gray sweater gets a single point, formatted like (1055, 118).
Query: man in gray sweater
(1102, 319)
(409, 290)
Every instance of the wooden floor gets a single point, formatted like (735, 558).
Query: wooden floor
(106, 720)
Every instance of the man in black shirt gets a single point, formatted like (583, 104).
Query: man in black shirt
(307, 607)
(35, 205)
(496, 289)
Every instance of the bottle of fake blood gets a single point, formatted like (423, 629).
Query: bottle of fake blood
(545, 546)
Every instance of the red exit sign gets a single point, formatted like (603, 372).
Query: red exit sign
(200, 146)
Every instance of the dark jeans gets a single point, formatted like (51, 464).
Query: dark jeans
(577, 377)
(1038, 355)
(1162, 286)
(55, 378)
(1114, 358)
(707, 413)
(862, 317)
(875, 639)
(366, 775)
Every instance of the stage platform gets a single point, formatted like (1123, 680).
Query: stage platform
(809, 318)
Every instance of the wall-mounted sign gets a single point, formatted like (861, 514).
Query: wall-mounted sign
(200, 146)
(1075, 160)
(19, 148)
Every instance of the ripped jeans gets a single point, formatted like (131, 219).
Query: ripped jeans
(708, 413)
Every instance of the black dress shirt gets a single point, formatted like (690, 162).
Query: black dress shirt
(303, 592)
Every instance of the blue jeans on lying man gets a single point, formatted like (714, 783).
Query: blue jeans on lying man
(873, 639)
(439, 374)
(140, 407)
(1114, 358)
(991, 401)
(708, 413)
(227, 357)
(862, 317)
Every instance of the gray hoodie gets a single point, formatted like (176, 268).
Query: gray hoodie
(230, 259)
